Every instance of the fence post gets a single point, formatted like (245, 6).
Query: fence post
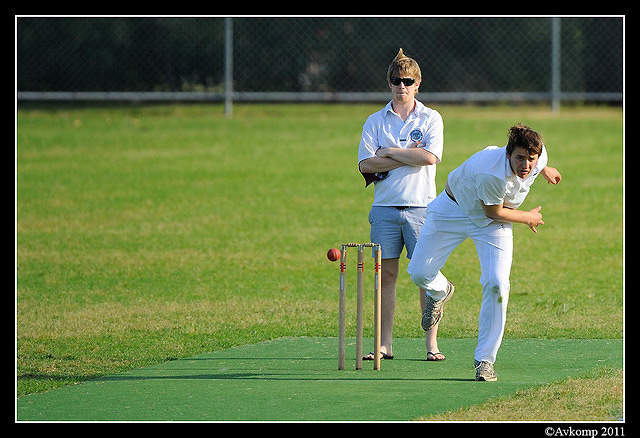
(228, 66)
(555, 64)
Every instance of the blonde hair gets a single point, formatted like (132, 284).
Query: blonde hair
(403, 66)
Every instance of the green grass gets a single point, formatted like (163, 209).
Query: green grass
(296, 379)
(150, 233)
(597, 395)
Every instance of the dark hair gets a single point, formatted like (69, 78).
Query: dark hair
(524, 137)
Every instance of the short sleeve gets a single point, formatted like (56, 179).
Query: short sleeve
(368, 141)
(434, 137)
(543, 159)
(490, 189)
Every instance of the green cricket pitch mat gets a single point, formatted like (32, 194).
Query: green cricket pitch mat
(296, 379)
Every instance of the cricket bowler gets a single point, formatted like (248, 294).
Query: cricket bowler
(480, 202)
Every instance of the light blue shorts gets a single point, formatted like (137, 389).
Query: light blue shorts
(396, 228)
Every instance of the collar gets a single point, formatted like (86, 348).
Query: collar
(417, 108)
(508, 172)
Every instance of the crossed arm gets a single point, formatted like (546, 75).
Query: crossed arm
(391, 158)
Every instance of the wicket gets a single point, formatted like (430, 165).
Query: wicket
(360, 304)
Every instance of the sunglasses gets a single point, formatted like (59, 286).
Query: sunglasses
(406, 81)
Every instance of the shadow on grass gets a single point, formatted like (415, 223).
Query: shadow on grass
(276, 376)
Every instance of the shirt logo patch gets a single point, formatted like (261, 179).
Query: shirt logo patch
(416, 135)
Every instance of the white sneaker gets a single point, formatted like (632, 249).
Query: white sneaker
(485, 371)
(433, 310)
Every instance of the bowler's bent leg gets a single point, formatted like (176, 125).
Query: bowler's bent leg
(438, 238)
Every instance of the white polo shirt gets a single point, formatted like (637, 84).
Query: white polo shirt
(406, 186)
(487, 176)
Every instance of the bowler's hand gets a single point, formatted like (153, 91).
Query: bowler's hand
(535, 219)
(552, 175)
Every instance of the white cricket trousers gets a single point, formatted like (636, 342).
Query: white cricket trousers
(445, 228)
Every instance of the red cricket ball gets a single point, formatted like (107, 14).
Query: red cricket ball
(333, 254)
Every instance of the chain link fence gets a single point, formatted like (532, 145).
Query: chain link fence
(318, 59)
